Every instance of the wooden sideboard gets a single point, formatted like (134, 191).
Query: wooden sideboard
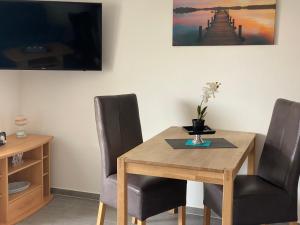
(35, 169)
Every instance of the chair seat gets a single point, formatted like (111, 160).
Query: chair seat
(256, 201)
(160, 194)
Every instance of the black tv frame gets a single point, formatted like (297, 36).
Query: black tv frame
(100, 4)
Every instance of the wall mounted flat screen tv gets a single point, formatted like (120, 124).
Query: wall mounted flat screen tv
(50, 35)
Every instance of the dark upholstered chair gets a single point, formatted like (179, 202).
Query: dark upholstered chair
(271, 195)
(119, 131)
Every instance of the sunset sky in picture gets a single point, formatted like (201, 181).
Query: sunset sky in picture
(257, 24)
(215, 3)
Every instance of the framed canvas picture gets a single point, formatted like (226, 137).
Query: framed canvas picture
(223, 22)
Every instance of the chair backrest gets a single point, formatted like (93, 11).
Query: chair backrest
(118, 126)
(280, 159)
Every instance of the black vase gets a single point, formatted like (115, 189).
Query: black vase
(198, 125)
(2, 138)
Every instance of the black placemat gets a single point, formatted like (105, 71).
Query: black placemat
(215, 143)
(206, 130)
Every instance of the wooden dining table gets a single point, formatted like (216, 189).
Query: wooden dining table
(155, 157)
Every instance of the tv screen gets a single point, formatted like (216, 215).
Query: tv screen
(50, 35)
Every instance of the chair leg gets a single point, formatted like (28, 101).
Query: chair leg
(293, 223)
(139, 222)
(206, 216)
(134, 220)
(101, 214)
(173, 211)
(181, 215)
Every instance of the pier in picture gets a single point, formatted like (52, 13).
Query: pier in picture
(223, 22)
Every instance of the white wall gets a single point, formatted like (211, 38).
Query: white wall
(10, 99)
(139, 58)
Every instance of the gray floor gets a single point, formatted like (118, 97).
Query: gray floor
(65, 210)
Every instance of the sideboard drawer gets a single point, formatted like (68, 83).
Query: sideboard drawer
(25, 204)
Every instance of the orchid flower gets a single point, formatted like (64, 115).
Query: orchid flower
(208, 92)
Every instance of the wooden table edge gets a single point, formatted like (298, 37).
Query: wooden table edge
(214, 177)
(167, 165)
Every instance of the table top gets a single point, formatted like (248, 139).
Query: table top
(156, 151)
(16, 145)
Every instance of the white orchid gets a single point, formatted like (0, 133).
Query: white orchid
(211, 89)
(208, 92)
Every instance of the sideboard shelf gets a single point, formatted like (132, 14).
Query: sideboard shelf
(26, 164)
(35, 169)
(16, 196)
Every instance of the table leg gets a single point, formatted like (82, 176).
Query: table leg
(122, 193)
(206, 216)
(227, 206)
(251, 162)
(181, 215)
